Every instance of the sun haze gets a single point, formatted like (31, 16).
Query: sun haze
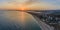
(30, 4)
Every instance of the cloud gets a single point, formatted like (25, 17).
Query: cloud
(29, 4)
(42, 6)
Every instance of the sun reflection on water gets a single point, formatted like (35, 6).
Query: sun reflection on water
(17, 18)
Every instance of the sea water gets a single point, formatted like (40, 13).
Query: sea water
(15, 20)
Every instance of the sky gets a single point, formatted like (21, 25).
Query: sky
(30, 4)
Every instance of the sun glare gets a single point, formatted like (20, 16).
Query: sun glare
(23, 8)
(22, 18)
(23, 15)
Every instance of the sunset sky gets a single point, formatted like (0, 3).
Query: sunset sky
(30, 4)
(22, 17)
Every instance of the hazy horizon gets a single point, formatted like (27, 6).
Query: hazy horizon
(30, 4)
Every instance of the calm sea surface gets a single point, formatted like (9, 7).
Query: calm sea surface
(15, 20)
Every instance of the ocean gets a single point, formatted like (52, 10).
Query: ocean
(17, 20)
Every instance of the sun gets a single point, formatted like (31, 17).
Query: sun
(23, 15)
(22, 8)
